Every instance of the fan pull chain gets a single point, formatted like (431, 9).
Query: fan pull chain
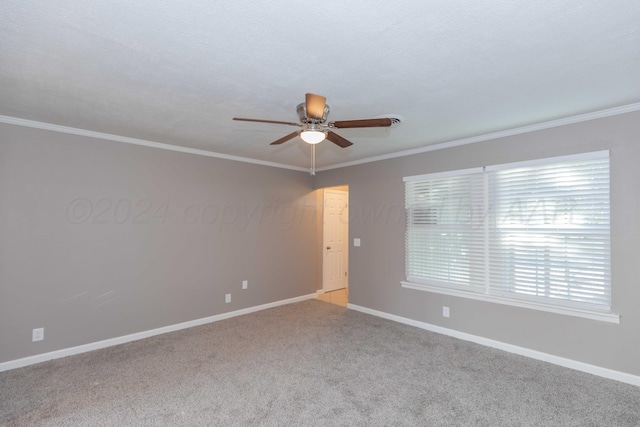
(313, 159)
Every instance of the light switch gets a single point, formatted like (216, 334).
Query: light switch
(356, 242)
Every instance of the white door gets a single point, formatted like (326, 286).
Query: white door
(335, 237)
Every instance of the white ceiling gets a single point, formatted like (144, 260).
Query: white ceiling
(177, 72)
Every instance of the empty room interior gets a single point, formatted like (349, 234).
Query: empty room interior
(349, 213)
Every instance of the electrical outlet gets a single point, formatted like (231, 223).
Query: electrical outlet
(445, 311)
(37, 334)
(245, 284)
(227, 298)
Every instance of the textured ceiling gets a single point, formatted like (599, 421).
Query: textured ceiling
(177, 72)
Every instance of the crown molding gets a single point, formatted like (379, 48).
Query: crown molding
(142, 142)
(440, 146)
(494, 135)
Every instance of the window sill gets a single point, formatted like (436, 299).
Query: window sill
(576, 312)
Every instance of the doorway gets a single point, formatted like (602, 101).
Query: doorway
(335, 247)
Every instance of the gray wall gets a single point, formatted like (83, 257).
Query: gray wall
(101, 239)
(376, 194)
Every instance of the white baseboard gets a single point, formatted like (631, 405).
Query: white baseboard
(31, 360)
(556, 360)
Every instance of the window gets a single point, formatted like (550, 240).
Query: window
(533, 233)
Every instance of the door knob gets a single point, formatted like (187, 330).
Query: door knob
(328, 247)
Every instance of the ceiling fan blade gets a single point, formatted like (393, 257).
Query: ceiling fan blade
(338, 140)
(267, 121)
(363, 123)
(315, 106)
(285, 138)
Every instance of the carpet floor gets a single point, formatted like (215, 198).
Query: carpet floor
(309, 364)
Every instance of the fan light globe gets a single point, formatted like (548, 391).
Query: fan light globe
(312, 136)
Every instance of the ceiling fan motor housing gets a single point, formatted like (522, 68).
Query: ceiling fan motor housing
(302, 114)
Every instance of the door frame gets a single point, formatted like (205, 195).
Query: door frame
(344, 189)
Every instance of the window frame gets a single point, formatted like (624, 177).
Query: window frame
(601, 313)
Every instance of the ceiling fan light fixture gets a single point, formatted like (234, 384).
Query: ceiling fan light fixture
(315, 127)
(312, 136)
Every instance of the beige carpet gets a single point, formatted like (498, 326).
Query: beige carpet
(309, 364)
(338, 297)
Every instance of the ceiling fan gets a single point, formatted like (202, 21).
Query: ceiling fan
(314, 125)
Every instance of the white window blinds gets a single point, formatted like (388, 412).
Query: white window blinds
(535, 231)
(444, 239)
